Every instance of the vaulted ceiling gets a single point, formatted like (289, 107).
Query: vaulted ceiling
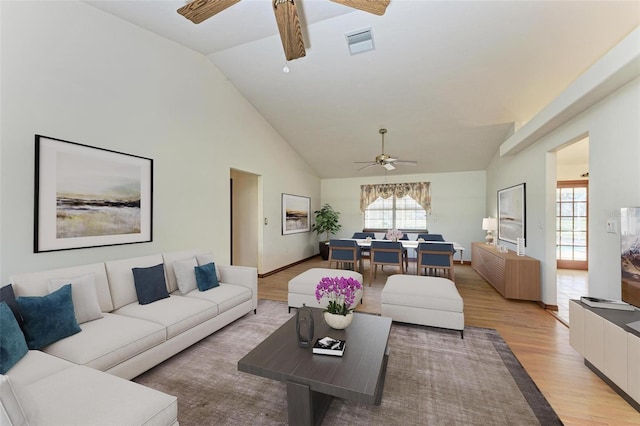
(448, 79)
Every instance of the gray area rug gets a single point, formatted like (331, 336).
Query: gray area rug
(433, 378)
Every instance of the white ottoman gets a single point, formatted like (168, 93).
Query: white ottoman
(302, 288)
(431, 301)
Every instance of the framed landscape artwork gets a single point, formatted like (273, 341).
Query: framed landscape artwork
(512, 213)
(89, 197)
(296, 212)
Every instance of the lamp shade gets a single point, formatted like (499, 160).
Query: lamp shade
(489, 224)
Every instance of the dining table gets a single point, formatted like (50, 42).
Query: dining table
(410, 244)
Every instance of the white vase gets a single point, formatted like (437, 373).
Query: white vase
(339, 322)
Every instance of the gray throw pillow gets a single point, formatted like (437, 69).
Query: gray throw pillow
(185, 274)
(84, 295)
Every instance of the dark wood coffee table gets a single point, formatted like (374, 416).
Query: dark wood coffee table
(313, 380)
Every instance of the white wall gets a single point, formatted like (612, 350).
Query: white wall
(457, 206)
(73, 72)
(614, 182)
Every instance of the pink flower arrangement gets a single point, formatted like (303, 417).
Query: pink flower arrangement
(394, 234)
(340, 291)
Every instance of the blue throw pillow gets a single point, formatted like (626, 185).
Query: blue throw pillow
(49, 318)
(8, 296)
(206, 276)
(150, 284)
(12, 344)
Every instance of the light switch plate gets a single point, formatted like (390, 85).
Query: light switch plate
(612, 226)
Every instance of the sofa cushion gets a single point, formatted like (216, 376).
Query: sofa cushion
(96, 398)
(121, 283)
(48, 319)
(12, 344)
(37, 283)
(176, 313)
(206, 276)
(8, 296)
(150, 284)
(185, 274)
(83, 294)
(35, 365)
(226, 296)
(109, 341)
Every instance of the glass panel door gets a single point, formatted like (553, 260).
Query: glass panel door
(572, 207)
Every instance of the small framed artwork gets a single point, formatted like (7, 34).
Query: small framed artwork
(90, 197)
(512, 213)
(296, 214)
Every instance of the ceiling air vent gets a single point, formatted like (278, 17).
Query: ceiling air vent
(360, 41)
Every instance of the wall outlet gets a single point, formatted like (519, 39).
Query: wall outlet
(612, 226)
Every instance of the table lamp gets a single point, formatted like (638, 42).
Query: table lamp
(489, 224)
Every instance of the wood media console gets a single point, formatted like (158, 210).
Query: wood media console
(513, 276)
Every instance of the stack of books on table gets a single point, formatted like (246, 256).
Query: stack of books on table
(329, 346)
(596, 302)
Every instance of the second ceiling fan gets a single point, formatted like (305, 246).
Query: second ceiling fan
(286, 17)
(385, 160)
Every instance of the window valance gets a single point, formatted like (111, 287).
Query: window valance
(419, 191)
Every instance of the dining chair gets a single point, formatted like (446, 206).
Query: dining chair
(387, 253)
(431, 237)
(435, 256)
(345, 252)
(363, 235)
(364, 251)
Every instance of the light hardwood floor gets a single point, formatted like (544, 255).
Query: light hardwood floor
(539, 341)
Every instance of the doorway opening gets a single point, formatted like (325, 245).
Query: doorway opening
(245, 218)
(571, 226)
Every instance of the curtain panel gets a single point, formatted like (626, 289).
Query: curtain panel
(419, 191)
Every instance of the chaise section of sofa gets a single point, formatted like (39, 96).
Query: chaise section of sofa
(43, 389)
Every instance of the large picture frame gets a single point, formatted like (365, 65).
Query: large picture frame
(512, 218)
(90, 197)
(296, 214)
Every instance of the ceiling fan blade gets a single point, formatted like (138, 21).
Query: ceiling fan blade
(200, 10)
(377, 7)
(406, 163)
(366, 167)
(289, 26)
(388, 166)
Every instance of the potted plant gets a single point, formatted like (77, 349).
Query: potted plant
(341, 292)
(326, 222)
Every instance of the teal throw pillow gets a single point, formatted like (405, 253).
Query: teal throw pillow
(12, 344)
(49, 318)
(150, 284)
(206, 276)
(8, 296)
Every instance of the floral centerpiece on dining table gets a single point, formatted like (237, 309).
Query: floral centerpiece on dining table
(341, 293)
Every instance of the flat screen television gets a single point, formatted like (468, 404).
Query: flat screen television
(630, 254)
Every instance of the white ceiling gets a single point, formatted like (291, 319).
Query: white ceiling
(447, 78)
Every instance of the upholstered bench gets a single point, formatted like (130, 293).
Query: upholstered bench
(431, 301)
(302, 288)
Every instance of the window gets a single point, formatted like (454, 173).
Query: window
(571, 224)
(403, 206)
(399, 213)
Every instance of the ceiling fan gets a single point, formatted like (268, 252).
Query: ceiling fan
(385, 160)
(286, 17)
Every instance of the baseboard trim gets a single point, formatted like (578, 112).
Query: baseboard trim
(275, 271)
(632, 402)
(548, 307)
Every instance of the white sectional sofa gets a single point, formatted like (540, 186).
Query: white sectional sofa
(66, 380)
